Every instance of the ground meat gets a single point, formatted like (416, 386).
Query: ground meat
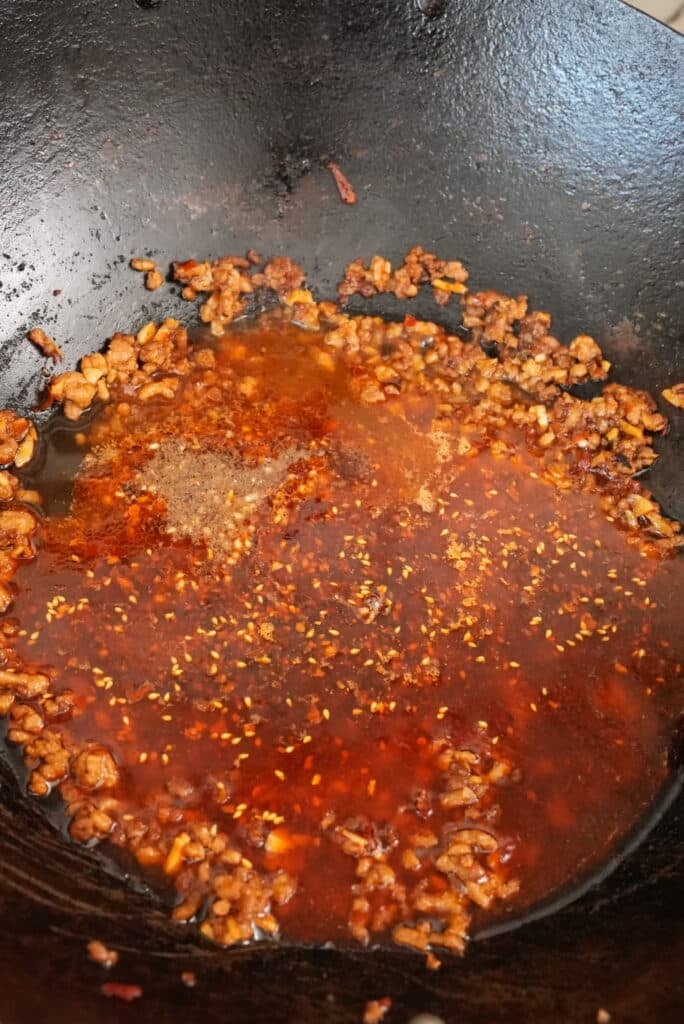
(100, 954)
(675, 395)
(376, 1009)
(153, 280)
(95, 768)
(447, 277)
(8, 485)
(74, 391)
(282, 275)
(17, 439)
(228, 283)
(45, 343)
(24, 684)
(143, 264)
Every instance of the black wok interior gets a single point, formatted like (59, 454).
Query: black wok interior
(539, 142)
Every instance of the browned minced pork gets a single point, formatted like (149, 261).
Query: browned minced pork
(45, 343)
(101, 954)
(283, 275)
(376, 1009)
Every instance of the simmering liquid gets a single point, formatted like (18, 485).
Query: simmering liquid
(277, 607)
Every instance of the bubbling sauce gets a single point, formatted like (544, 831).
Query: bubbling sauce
(337, 641)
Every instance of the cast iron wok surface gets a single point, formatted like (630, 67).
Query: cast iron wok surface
(539, 142)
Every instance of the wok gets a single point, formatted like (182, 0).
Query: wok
(538, 142)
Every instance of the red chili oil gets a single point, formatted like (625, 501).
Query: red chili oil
(392, 585)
